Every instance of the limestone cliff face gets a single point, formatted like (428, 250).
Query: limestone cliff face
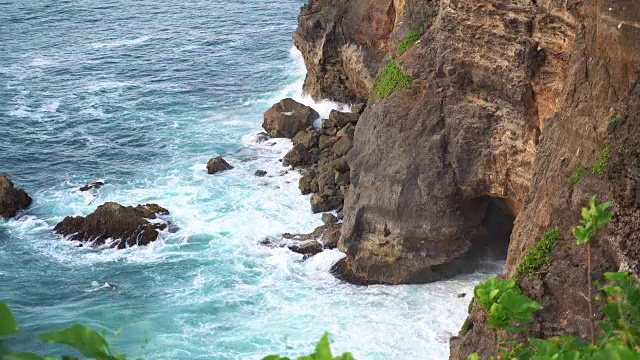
(508, 98)
(344, 42)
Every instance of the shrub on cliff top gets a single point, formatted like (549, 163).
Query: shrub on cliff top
(409, 40)
(539, 254)
(391, 79)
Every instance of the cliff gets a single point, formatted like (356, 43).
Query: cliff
(506, 100)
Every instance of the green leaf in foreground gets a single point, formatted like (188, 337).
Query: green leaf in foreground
(8, 325)
(84, 339)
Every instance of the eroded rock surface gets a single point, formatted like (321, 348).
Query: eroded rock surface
(344, 42)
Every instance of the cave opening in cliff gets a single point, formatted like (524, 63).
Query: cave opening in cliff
(497, 226)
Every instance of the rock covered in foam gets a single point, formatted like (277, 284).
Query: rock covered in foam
(124, 225)
(12, 199)
(322, 238)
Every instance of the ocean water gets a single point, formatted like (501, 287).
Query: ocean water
(140, 95)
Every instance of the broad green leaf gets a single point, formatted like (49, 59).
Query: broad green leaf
(323, 349)
(8, 325)
(84, 339)
(473, 356)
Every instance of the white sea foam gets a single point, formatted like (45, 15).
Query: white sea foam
(136, 41)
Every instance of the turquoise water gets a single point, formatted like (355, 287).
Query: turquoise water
(140, 95)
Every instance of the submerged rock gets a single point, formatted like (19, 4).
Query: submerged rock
(309, 247)
(260, 173)
(12, 199)
(218, 164)
(125, 225)
(94, 185)
(288, 117)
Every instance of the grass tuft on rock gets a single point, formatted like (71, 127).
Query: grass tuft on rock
(602, 162)
(391, 79)
(539, 254)
(409, 40)
(576, 176)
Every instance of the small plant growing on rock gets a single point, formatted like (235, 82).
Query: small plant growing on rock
(409, 40)
(594, 218)
(576, 176)
(507, 308)
(615, 118)
(391, 79)
(602, 162)
(539, 254)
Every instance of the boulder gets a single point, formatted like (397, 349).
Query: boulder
(124, 225)
(358, 109)
(262, 137)
(341, 165)
(323, 203)
(342, 146)
(329, 218)
(347, 131)
(288, 117)
(327, 234)
(326, 141)
(308, 138)
(149, 211)
(94, 185)
(341, 179)
(341, 119)
(296, 156)
(218, 164)
(309, 247)
(308, 182)
(12, 199)
(260, 173)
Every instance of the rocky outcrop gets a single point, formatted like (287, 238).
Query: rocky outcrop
(122, 226)
(321, 155)
(323, 237)
(12, 199)
(217, 164)
(288, 117)
(506, 100)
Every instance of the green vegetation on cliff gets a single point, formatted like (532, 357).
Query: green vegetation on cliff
(602, 162)
(539, 254)
(391, 79)
(409, 40)
(576, 176)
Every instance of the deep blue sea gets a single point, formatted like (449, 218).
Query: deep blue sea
(140, 94)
